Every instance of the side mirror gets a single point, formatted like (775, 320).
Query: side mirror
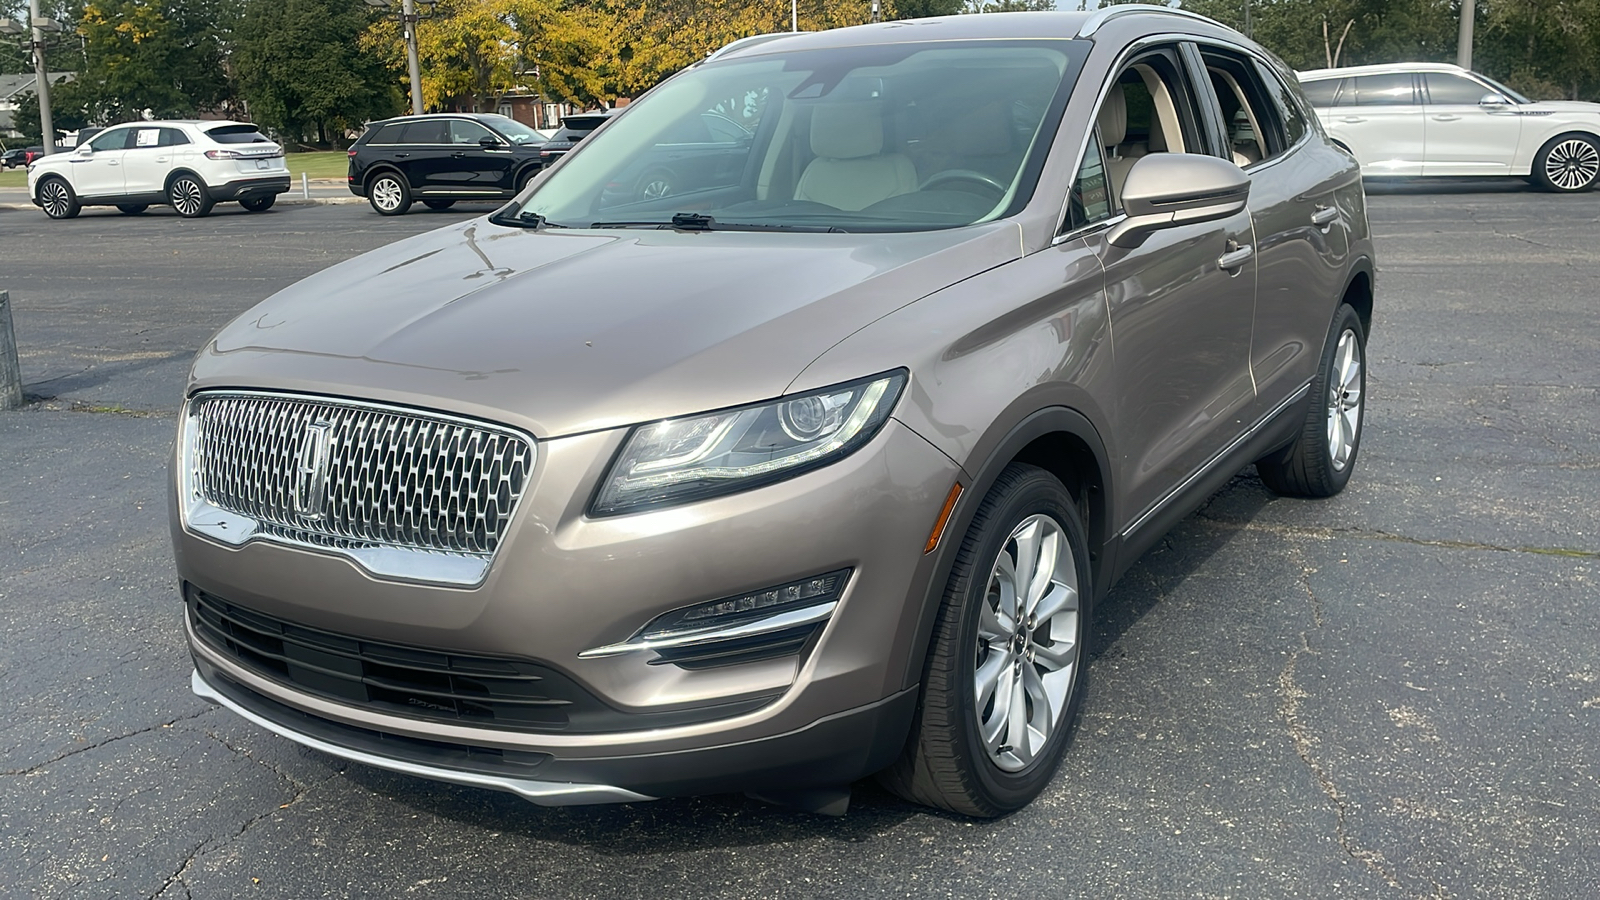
(1165, 190)
(85, 150)
(488, 143)
(1493, 101)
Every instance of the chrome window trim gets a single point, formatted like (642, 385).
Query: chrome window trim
(387, 562)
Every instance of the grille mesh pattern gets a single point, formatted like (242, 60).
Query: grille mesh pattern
(394, 478)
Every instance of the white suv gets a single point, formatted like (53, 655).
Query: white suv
(1434, 119)
(188, 165)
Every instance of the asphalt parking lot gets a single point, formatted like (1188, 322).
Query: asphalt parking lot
(1395, 693)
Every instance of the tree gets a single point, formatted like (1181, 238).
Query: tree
(998, 6)
(165, 57)
(923, 9)
(299, 66)
(64, 117)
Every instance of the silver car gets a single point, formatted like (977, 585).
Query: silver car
(812, 469)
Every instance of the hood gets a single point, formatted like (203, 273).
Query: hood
(561, 332)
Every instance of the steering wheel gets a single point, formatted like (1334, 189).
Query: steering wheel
(966, 175)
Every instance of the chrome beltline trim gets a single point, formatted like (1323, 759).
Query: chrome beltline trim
(793, 618)
(544, 793)
(1220, 454)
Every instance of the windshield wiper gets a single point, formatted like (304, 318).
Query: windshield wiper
(698, 222)
(524, 219)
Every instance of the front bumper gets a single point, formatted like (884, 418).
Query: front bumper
(248, 188)
(562, 584)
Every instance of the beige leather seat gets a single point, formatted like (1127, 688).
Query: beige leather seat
(851, 171)
(1113, 122)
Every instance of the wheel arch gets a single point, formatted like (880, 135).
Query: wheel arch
(1062, 441)
(39, 183)
(526, 172)
(377, 169)
(180, 171)
(1359, 294)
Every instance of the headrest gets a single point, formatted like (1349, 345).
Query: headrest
(847, 130)
(1113, 118)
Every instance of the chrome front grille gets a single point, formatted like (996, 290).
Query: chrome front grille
(363, 479)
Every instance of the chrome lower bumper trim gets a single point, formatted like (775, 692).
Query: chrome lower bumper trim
(796, 618)
(544, 793)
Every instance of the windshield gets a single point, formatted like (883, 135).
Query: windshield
(895, 137)
(513, 130)
(1503, 89)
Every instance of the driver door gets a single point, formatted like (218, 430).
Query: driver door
(100, 173)
(1462, 136)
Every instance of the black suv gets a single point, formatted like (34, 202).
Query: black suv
(574, 128)
(442, 158)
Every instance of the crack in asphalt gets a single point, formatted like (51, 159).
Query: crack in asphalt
(1329, 532)
(1290, 694)
(177, 876)
(98, 744)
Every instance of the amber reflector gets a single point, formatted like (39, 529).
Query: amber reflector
(944, 517)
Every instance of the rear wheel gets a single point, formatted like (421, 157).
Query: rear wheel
(389, 194)
(57, 199)
(1004, 674)
(524, 178)
(132, 209)
(189, 197)
(438, 204)
(1568, 164)
(259, 204)
(1319, 462)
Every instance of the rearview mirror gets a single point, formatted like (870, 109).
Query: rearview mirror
(1165, 190)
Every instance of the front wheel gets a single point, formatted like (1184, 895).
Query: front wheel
(389, 194)
(259, 204)
(1004, 674)
(57, 199)
(189, 197)
(1319, 462)
(1568, 164)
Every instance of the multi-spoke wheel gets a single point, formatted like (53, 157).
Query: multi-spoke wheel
(655, 185)
(389, 194)
(1319, 462)
(57, 199)
(189, 197)
(1569, 164)
(1004, 673)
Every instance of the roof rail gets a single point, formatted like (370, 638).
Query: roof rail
(750, 41)
(1107, 13)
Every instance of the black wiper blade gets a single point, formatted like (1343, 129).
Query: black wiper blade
(524, 219)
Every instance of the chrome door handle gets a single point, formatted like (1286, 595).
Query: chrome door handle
(1446, 118)
(1353, 119)
(401, 155)
(1236, 256)
(460, 154)
(1324, 215)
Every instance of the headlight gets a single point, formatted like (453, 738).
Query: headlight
(682, 460)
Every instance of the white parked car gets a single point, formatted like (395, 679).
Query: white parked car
(1434, 119)
(187, 165)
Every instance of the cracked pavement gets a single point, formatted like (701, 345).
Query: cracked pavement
(1395, 693)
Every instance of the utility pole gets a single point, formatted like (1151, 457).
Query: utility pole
(1464, 42)
(794, 15)
(877, 11)
(42, 75)
(408, 17)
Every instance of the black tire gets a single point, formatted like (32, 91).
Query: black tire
(389, 194)
(188, 195)
(438, 204)
(1310, 467)
(524, 178)
(1568, 164)
(132, 209)
(259, 204)
(655, 185)
(57, 199)
(947, 763)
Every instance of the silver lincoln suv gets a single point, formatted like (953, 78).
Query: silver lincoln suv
(810, 468)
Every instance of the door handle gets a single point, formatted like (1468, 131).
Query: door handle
(1353, 119)
(161, 159)
(401, 155)
(460, 154)
(1236, 256)
(1446, 117)
(1324, 215)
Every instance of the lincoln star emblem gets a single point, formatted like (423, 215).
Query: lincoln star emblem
(311, 474)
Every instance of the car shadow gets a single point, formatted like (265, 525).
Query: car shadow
(733, 820)
(1379, 187)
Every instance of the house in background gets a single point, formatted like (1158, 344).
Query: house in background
(12, 89)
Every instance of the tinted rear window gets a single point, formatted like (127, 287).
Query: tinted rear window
(237, 134)
(583, 123)
(434, 132)
(1383, 90)
(1320, 93)
(388, 134)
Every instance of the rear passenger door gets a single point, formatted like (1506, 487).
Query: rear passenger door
(423, 148)
(1379, 117)
(1300, 242)
(148, 160)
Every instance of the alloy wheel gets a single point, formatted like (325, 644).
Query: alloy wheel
(55, 199)
(1027, 653)
(386, 194)
(187, 197)
(1573, 164)
(655, 189)
(1344, 401)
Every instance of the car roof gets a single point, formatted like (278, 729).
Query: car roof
(415, 117)
(992, 26)
(1380, 69)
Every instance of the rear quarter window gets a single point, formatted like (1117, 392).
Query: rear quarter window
(1320, 93)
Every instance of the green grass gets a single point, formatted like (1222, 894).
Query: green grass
(329, 164)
